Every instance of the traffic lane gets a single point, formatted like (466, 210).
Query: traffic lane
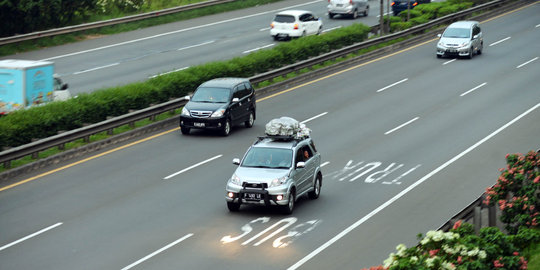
(429, 206)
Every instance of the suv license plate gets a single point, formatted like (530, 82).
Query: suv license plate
(198, 124)
(252, 196)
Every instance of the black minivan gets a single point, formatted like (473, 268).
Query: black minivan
(219, 104)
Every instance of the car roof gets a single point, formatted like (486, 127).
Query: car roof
(224, 82)
(462, 24)
(293, 12)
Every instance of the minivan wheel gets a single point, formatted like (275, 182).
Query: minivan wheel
(184, 130)
(250, 121)
(233, 207)
(316, 188)
(470, 54)
(331, 15)
(355, 14)
(227, 128)
(288, 209)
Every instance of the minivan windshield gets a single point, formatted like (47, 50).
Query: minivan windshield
(457, 33)
(284, 19)
(212, 95)
(265, 157)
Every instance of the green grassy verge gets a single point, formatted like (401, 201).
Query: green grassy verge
(37, 44)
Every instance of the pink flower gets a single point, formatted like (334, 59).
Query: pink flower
(498, 264)
(536, 180)
(459, 259)
(516, 253)
(457, 224)
(433, 252)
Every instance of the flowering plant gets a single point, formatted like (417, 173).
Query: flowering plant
(517, 191)
(461, 248)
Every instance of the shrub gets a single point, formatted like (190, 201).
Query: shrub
(517, 191)
(461, 248)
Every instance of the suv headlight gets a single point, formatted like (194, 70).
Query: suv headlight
(464, 44)
(236, 180)
(278, 181)
(218, 113)
(185, 111)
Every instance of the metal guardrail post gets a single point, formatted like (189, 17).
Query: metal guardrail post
(477, 219)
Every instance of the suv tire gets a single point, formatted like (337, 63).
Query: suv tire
(233, 207)
(316, 188)
(251, 120)
(288, 209)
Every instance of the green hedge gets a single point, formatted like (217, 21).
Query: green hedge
(21, 127)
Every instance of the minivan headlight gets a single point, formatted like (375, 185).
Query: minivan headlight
(185, 111)
(278, 181)
(236, 180)
(218, 113)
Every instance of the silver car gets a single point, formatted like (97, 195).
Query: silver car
(275, 171)
(350, 8)
(463, 38)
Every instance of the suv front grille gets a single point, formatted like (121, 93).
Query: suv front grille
(255, 185)
(201, 114)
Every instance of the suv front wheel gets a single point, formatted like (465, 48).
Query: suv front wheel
(251, 120)
(316, 188)
(233, 207)
(288, 209)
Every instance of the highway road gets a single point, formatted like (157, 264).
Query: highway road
(138, 55)
(407, 141)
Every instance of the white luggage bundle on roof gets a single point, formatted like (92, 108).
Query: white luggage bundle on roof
(286, 127)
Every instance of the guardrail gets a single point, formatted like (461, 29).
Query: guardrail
(60, 140)
(477, 213)
(94, 25)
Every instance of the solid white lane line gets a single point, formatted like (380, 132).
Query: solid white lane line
(168, 72)
(158, 251)
(473, 89)
(259, 48)
(192, 166)
(528, 62)
(394, 84)
(538, 25)
(30, 236)
(406, 190)
(196, 45)
(330, 29)
(497, 42)
(314, 117)
(449, 61)
(402, 125)
(92, 69)
(177, 31)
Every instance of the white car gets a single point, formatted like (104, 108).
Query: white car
(295, 23)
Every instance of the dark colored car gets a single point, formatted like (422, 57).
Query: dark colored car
(219, 104)
(401, 5)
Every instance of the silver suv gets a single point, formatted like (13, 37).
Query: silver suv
(276, 170)
(463, 38)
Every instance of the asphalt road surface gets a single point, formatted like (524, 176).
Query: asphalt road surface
(407, 141)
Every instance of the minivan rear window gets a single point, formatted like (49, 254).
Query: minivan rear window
(284, 19)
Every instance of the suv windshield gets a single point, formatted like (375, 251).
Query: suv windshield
(284, 19)
(456, 33)
(264, 157)
(212, 95)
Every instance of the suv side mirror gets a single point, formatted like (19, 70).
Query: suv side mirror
(439, 35)
(235, 100)
(64, 86)
(300, 165)
(475, 37)
(236, 161)
(187, 98)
